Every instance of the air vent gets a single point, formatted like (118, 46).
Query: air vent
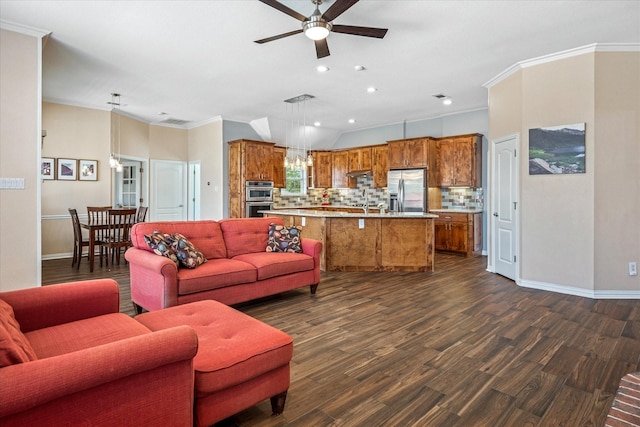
(176, 122)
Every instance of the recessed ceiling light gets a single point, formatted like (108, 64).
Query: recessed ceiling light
(162, 113)
(447, 101)
(371, 89)
(316, 124)
(358, 68)
(352, 121)
(322, 68)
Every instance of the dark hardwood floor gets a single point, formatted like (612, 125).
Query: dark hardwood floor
(458, 347)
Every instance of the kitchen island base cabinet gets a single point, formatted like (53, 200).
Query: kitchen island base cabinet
(373, 242)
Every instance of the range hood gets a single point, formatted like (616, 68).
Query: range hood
(358, 173)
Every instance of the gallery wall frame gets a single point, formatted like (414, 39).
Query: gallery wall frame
(47, 168)
(557, 150)
(87, 170)
(67, 169)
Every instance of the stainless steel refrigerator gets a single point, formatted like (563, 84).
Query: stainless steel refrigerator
(407, 190)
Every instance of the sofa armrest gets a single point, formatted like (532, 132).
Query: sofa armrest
(154, 279)
(146, 377)
(313, 248)
(50, 305)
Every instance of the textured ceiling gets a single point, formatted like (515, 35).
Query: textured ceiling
(196, 60)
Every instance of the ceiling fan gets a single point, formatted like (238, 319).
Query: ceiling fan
(318, 25)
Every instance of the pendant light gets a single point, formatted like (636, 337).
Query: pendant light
(115, 161)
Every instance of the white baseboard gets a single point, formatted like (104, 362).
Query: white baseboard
(587, 293)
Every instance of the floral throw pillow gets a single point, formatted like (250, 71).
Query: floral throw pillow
(162, 244)
(188, 255)
(284, 239)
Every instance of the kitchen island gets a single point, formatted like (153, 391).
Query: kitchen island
(353, 241)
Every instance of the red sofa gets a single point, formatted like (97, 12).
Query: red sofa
(69, 358)
(238, 267)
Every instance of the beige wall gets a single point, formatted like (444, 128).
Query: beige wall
(617, 169)
(205, 146)
(557, 210)
(578, 232)
(20, 83)
(75, 133)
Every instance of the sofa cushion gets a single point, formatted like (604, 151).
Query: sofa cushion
(162, 244)
(274, 264)
(188, 255)
(284, 239)
(14, 346)
(216, 273)
(246, 235)
(86, 333)
(232, 347)
(205, 235)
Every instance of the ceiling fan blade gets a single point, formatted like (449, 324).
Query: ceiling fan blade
(322, 48)
(279, 36)
(337, 9)
(282, 8)
(360, 31)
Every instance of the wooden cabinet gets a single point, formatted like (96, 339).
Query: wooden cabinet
(340, 165)
(321, 172)
(380, 165)
(359, 159)
(258, 160)
(459, 232)
(248, 161)
(459, 161)
(409, 153)
(279, 173)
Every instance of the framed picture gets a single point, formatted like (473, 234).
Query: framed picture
(67, 169)
(87, 170)
(557, 150)
(47, 168)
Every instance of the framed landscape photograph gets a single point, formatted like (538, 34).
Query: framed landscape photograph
(557, 150)
(87, 170)
(47, 168)
(67, 169)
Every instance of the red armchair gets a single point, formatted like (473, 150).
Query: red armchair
(93, 365)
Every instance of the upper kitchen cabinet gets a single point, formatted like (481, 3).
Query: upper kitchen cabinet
(409, 153)
(257, 158)
(380, 165)
(359, 159)
(340, 163)
(459, 161)
(321, 171)
(279, 174)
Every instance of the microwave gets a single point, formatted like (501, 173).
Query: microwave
(259, 191)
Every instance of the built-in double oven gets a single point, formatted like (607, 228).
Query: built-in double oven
(258, 197)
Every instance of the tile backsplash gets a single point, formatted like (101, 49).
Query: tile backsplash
(452, 198)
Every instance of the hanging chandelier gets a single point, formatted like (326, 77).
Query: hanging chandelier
(115, 161)
(299, 138)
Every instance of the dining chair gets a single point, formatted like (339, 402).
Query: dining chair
(141, 214)
(118, 234)
(78, 241)
(98, 214)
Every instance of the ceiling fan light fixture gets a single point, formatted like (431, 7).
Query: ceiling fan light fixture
(316, 28)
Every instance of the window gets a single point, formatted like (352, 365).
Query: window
(295, 180)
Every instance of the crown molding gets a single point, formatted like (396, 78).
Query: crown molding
(569, 53)
(23, 29)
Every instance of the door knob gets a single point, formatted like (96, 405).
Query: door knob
(495, 214)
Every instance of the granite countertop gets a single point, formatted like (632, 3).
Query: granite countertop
(457, 210)
(330, 214)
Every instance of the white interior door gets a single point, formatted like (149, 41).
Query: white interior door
(168, 200)
(504, 207)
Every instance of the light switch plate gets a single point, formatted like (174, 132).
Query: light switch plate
(361, 223)
(304, 221)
